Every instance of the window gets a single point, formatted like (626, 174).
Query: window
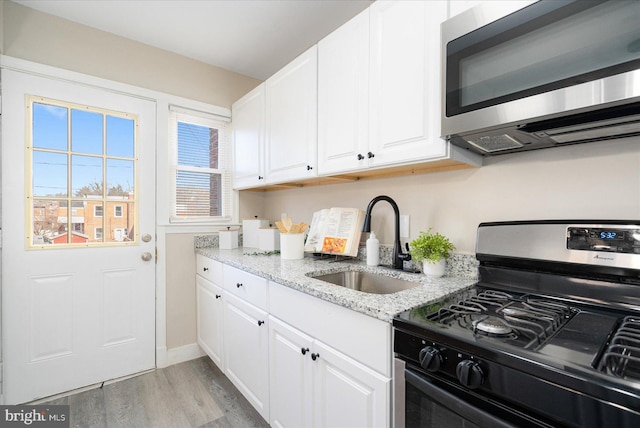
(81, 161)
(201, 166)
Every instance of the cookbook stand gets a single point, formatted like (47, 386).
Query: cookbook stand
(332, 257)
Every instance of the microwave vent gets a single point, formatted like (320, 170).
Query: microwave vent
(495, 143)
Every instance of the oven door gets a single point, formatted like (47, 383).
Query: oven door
(424, 402)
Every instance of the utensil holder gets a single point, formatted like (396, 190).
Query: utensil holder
(291, 246)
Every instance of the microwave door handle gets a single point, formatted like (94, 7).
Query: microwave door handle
(453, 403)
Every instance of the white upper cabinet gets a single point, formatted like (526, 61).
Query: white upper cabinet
(343, 97)
(291, 120)
(404, 116)
(248, 139)
(456, 7)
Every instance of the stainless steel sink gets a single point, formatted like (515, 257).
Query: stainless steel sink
(367, 282)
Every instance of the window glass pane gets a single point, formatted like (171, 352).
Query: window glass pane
(197, 146)
(198, 194)
(49, 174)
(86, 176)
(50, 222)
(120, 137)
(86, 132)
(120, 175)
(119, 221)
(49, 127)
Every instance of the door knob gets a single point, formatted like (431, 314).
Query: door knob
(146, 237)
(147, 256)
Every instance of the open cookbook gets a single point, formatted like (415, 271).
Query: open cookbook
(335, 231)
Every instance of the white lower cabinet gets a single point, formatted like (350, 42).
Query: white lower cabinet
(209, 319)
(246, 348)
(312, 384)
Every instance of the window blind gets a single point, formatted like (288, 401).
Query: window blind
(201, 166)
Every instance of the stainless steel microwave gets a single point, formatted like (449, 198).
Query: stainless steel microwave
(552, 73)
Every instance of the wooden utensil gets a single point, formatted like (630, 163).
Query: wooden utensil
(281, 227)
(287, 224)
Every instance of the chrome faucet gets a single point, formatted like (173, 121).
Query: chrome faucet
(398, 256)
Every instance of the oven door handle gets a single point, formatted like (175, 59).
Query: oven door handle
(455, 404)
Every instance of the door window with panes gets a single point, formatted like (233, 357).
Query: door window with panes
(81, 175)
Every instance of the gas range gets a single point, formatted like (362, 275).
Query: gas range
(550, 334)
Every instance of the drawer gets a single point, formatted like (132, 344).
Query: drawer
(246, 286)
(209, 269)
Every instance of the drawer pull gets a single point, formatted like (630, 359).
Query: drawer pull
(205, 269)
(218, 296)
(260, 323)
(238, 284)
(315, 356)
(304, 351)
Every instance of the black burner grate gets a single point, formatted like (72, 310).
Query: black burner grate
(622, 357)
(526, 320)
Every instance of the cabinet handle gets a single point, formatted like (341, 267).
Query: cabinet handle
(260, 323)
(238, 284)
(205, 269)
(360, 157)
(370, 155)
(304, 351)
(218, 296)
(309, 167)
(260, 177)
(315, 356)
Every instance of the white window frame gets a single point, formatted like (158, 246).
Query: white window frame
(95, 211)
(95, 233)
(229, 196)
(115, 211)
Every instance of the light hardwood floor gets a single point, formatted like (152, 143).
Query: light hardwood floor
(190, 394)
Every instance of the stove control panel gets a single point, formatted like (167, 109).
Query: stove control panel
(605, 239)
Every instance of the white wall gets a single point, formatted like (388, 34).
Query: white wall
(594, 180)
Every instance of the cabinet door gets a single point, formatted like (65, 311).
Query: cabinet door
(248, 139)
(347, 393)
(290, 376)
(291, 120)
(404, 119)
(246, 350)
(209, 319)
(343, 97)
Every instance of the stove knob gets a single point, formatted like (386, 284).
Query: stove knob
(430, 359)
(470, 374)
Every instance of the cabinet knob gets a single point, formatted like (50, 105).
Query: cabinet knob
(360, 157)
(309, 167)
(218, 296)
(260, 323)
(205, 269)
(370, 155)
(238, 284)
(304, 351)
(315, 356)
(260, 177)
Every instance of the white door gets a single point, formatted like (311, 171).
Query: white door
(78, 300)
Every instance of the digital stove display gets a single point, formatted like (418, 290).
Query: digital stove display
(612, 240)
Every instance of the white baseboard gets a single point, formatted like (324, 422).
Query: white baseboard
(183, 353)
(161, 357)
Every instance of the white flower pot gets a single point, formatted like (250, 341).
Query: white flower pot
(434, 270)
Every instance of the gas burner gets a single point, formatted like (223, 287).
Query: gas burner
(492, 326)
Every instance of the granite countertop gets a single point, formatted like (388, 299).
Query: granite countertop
(297, 275)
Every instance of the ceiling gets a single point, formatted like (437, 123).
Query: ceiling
(252, 37)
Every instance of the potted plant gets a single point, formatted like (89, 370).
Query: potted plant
(432, 249)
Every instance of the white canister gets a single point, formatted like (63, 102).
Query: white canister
(291, 246)
(250, 229)
(228, 239)
(269, 239)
